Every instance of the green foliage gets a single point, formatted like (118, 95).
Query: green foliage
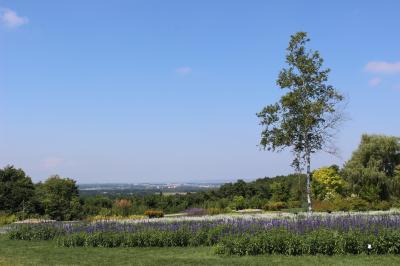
(327, 184)
(372, 172)
(319, 242)
(238, 195)
(147, 238)
(275, 206)
(98, 204)
(302, 116)
(16, 191)
(47, 253)
(7, 218)
(102, 218)
(305, 118)
(238, 203)
(183, 236)
(150, 238)
(215, 211)
(60, 198)
(274, 241)
(381, 205)
(280, 191)
(123, 206)
(348, 204)
(35, 232)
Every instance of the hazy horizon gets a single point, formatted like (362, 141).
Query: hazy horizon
(168, 91)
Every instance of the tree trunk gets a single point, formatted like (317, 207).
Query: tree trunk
(309, 183)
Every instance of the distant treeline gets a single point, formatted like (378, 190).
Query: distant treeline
(137, 190)
(369, 180)
(238, 195)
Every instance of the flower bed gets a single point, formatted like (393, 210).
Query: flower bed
(241, 236)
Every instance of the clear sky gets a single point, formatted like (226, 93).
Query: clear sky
(163, 91)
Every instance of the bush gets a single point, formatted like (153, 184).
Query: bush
(196, 212)
(323, 206)
(294, 204)
(381, 205)
(154, 214)
(357, 204)
(347, 204)
(323, 242)
(7, 219)
(238, 203)
(123, 206)
(215, 211)
(148, 238)
(275, 206)
(35, 232)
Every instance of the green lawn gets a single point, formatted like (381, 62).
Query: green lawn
(14, 252)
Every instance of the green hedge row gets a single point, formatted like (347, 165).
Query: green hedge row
(146, 238)
(322, 242)
(35, 232)
(272, 242)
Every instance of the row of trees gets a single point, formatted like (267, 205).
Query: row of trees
(370, 177)
(56, 198)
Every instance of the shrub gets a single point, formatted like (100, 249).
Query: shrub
(357, 204)
(275, 206)
(196, 212)
(323, 242)
(154, 214)
(216, 211)
(346, 204)
(147, 238)
(323, 206)
(35, 232)
(7, 219)
(123, 206)
(238, 203)
(381, 205)
(294, 204)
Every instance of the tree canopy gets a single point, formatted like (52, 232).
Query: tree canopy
(16, 190)
(60, 198)
(305, 119)
(327, 183)
(373, 171)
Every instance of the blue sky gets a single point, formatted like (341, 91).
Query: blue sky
(167, 91)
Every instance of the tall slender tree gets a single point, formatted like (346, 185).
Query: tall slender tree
(306, 118)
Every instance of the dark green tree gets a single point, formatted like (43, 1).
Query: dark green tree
(306, 118)
(16, 190)
(280, 191)
(60, 198)
(372, 171)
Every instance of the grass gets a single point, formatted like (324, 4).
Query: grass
(13, 252)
